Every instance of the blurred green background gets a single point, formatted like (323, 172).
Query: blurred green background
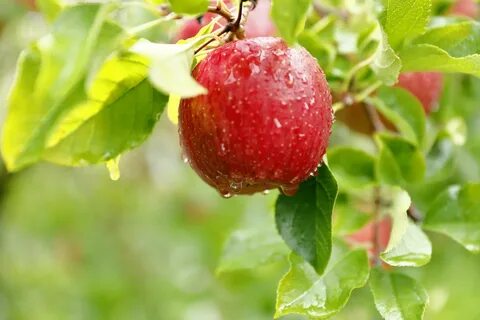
(76, 245)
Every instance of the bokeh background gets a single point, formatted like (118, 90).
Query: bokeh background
(76, 245)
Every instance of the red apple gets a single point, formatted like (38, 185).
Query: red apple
(188, 30)
(365, 237)
(426, 86)
(265, 121)
(259, 23)
(356, 118)
(467, 8)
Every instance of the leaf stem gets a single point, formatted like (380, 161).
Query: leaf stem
(376, 216)
(367, 91)
(152, 24)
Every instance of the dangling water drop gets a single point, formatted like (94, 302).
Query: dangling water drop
(113, 169)
(185, 158)
(265, 192)
(226, 195)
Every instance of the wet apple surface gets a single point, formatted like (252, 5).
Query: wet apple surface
(426, 86)
(265, 122)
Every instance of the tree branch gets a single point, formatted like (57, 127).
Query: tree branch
(373, 117)
(413, 214)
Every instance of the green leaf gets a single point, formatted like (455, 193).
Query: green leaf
(305, 220)
(425, 57)
(50, 8)
(404, 111)
(395, 202)
(129, 113)
(324, 51)
(459, 39)
(117, 78)
(189, 6)
(456, 213)
(251, 248)
(170, 67)
(400, 162)
(400, 250)
(289, 16)
(405, 19)
(397, 296)
(386, 64)
(450, 48)
(457, 130)
(353, 168)
(348, 219)
(51, 75)
(303, 291)
(413, 250)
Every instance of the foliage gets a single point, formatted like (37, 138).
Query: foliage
(95, 85)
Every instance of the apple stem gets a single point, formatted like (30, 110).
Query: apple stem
(234, 27)
(222, 10)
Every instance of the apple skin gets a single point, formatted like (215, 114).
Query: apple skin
(265, 122)
(467, 8)
(188, 30)
(426, 86)
(364, 237)
(356, 118)
(259, 23)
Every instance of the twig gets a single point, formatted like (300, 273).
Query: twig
(373, 116)
(413, 214)
(222, 32)
(242, 16)
(221, 10)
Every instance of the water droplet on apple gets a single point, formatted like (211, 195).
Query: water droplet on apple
(235, 185)
(277, 123)
(254, 68)
(185, 158)
(230, 79)
(289, 80)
